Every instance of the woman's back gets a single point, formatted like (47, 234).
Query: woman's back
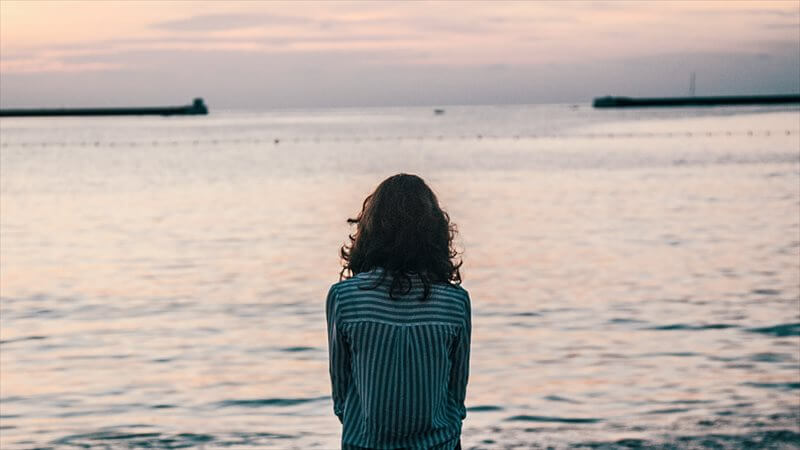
(399, 324)
(399, 366)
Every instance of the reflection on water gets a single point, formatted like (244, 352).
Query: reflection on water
(629, 290)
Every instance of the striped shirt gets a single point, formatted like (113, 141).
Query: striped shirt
(398, 367)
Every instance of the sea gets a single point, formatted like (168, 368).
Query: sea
(634, 273)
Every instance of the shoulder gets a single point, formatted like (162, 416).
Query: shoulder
(460, 289)
(345, 286)
(340, 295)
(454, 293)
(346, 291)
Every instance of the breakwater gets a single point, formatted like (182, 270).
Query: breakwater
(198, 107)
(633, 102)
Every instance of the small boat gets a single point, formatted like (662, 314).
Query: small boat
(438, 111)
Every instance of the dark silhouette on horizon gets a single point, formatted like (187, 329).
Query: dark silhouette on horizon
(198, 107)
(633, 102)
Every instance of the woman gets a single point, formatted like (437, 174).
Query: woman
(399, 324)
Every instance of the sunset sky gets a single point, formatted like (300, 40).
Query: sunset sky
(318, 54)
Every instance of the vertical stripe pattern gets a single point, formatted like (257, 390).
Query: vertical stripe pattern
(399, 367)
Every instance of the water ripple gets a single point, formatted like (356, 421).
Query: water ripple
(782, 386)
(527, 418)
(558, 398)
(668, 411)
(24, 338)
(259, 402)
(484, 408)
(683, 326)
(115, 439)
(758, 439)
(782, 330)
(298, 349)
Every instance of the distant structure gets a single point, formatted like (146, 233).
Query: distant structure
(198, 107)
(632, 102)
(691, 84)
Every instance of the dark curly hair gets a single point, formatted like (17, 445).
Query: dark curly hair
(402, 230)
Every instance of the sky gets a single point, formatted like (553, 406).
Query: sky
(270, 54)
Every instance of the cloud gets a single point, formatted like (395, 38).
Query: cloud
(374, 78)
(93, 56)
(332, 23)
(789, 12)
(219, 22)
(34, 65)
(782, 26)
(16, 56)
(716, 12)
(414, 54)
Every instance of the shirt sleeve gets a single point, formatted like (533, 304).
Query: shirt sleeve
(338, 357)
(459, 371)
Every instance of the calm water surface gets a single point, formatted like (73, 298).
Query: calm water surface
(635, 275)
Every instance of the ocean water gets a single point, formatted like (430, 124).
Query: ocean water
(635, 275)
